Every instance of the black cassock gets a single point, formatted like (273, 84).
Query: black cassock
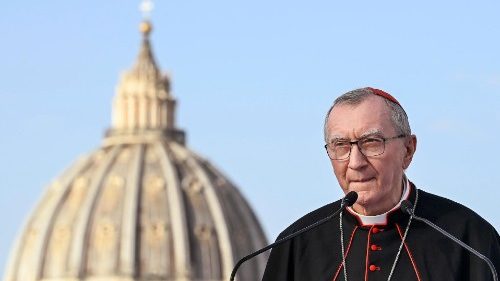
(371, 249)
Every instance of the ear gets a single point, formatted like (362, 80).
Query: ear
(410, 148)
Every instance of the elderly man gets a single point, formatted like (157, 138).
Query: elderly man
(369, 142)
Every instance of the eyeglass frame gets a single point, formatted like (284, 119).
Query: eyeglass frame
(358, 140)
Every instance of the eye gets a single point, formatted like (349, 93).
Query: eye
(371, 142)
(341, 144)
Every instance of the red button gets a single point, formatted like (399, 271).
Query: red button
(375, 230)
(373, 267)
(375, 247)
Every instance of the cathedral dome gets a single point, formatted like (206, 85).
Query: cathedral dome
(143, 206)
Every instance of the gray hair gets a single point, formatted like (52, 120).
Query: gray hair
(355, 97)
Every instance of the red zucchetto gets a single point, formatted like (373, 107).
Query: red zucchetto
(383, 94)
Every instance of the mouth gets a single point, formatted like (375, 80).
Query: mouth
(361, 180)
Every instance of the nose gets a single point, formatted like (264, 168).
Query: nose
(357, 160)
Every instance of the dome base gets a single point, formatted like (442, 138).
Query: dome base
(114, 137)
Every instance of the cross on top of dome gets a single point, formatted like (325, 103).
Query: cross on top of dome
(146, 7)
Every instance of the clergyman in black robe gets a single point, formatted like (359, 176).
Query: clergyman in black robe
(370, 144)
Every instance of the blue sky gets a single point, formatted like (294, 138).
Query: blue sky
(253, 81)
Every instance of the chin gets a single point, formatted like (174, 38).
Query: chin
(363, 197)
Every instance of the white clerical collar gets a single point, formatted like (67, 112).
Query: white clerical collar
(382, 218)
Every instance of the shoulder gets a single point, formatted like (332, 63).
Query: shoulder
(311, 218)
(445, 211)
(429, 202)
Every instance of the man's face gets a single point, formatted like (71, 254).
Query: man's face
(376, 179)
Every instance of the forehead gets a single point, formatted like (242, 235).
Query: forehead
(353, 121)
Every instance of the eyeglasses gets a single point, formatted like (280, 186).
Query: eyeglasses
(368, 146)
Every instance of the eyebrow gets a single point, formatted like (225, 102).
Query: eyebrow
(369, 133)
(336, 138)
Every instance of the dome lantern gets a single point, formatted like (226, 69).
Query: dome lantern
(143, 108)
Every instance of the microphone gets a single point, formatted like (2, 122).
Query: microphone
(407, 207)
(347, 201)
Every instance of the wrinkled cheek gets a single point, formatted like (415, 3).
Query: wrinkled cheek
(345, 187)
(340, 174)
(343, 183)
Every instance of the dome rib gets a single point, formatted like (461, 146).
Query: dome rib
(54, 196)
(256, 234)
(247, 219)
(225, 247)
(79, 246)
(177, 210)
(128, 253)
